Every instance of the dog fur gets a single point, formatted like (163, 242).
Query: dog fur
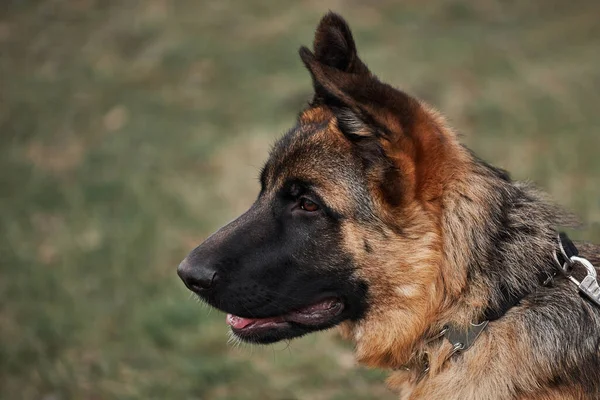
(434, 236)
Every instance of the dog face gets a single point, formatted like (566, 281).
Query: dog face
(280, 269)
(346, 229)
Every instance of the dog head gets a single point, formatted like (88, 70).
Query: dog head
(346, 228)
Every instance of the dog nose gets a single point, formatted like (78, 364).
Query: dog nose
(197, 278)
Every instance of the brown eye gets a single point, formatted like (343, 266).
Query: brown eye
(308, 205)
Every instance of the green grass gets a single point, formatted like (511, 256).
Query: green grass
(131, 130)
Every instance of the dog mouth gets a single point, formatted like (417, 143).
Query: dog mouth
(318, 315)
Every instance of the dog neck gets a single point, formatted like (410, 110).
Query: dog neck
(499, 237)
(494, 236)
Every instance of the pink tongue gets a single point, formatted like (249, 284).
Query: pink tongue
(307, 315)
(240, 323)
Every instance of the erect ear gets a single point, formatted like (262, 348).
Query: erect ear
(341, 81)
(335, 55)
(334, 45)
(334, 50)
(384, 123)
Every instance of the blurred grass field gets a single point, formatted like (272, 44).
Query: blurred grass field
(129, 130)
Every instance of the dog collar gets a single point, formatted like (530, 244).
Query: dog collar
(566, 258)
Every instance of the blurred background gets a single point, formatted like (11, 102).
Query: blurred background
(129, 130)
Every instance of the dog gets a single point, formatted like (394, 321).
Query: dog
(374, 218)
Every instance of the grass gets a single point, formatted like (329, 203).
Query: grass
(131, 130)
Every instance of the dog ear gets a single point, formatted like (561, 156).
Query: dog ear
(363, 105)
(390, 129)
(334, 45)
(335, 50)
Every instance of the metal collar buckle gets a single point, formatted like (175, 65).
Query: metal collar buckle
(565, 267)
(460, 339)
(589, 286)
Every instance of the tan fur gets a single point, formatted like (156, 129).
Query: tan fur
(420, 233)
(428, 231)
(314, 115)
(409, 299)
(400, 265)
(414, 276)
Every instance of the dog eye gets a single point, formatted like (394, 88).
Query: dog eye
(308, 205)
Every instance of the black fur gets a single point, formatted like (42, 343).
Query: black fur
(276, 258)
(497, 235)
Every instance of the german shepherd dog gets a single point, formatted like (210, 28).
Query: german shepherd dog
(372, 217)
